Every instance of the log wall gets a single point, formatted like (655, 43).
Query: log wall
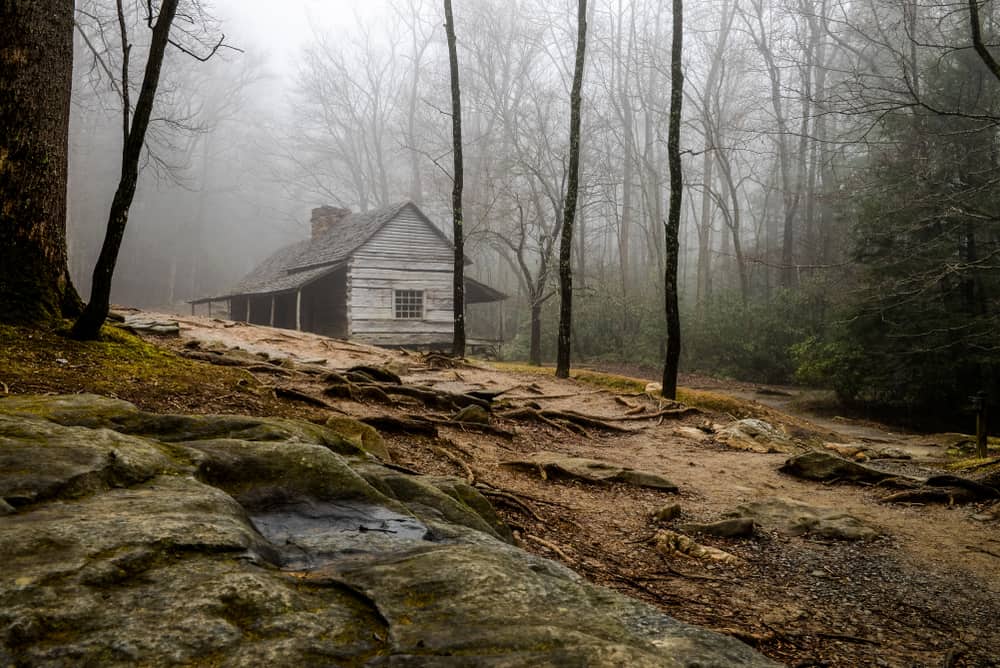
(404, 255)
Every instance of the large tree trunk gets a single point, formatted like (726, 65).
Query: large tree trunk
(88, 326)
(672, 362)
(36, 77)
(535, 350)
(569, 209)
(458, 342)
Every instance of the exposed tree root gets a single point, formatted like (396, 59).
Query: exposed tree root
(359, 393)
(376, 373)
(360, 385)
(269, 368)
(667, 413)
(947, 489)
(550, 546)
(973, 548)
(470, 477)
(511, 500)
(581, 420)
(534, 397)
(224, 359)
(537, 416)
(398, 425)
(297, 395)
(473, 426)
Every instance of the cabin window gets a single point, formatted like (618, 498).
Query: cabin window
(409, 304)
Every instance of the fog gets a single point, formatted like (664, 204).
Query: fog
(796, 114)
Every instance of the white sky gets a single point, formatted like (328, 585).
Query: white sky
(280, 28)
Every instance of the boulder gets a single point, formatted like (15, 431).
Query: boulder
(475, 414)
(145, 323)
(255, 543)
(826, 466)
(360, 434)
(667, 513)
(755, 435)
(734, 527)
(558, 466)
(671, 544)
(795, 518)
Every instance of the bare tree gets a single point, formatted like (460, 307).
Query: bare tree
(569, 209)
(347, 147)
(134, 127)
(458, 275)
(672, 227)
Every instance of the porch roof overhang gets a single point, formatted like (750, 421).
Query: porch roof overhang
(290, 282)
(480, 293)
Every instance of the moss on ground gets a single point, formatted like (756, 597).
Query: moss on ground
(122, 365)
(981, 465)
(712, 401)
(722, 403)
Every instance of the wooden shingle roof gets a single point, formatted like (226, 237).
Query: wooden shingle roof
(301, 263)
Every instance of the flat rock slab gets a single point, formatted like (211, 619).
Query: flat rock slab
(558, 466)
(795, 518)
(246, 542)
(825, 467)
(143, 323)
(755, 435)
(733, 527)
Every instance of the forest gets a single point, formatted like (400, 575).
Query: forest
(787, 206)
(839, 225)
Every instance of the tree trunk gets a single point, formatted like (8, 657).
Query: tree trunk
(703, 288)
(88, 326)
(711, 126)
(36, 77)
(458, 342)
(670, 365)
(569, 210)
(535, 352)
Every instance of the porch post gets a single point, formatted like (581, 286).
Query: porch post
(272, 310)
(298, 309)
(210, 309)
(248, 309)
(501, 321)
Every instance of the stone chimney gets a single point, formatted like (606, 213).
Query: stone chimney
(325, 218)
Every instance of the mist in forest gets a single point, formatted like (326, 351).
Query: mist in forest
(841, 222)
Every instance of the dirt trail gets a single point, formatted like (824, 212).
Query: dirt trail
(927, 593)
(786, 400)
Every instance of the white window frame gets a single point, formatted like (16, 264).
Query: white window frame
(408, 304)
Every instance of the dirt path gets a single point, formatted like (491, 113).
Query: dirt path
(926, 593)
(787, 400)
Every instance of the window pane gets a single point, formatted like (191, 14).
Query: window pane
(409, 303)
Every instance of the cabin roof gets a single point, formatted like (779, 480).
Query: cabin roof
(301, 263)
(350, 233)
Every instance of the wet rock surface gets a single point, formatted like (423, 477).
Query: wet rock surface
(133, 538)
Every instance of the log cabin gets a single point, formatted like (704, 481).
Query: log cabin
(382, 276)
